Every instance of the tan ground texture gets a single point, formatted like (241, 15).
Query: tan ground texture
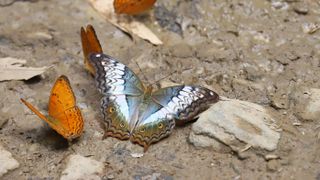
(259, 51)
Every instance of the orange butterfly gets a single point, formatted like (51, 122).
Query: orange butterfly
(64, 116)
(90, 44)
(132, 7)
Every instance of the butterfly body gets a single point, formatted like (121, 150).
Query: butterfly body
(64, 116)
(133, 111)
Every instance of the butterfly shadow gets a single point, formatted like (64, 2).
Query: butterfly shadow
(33, 80)
(182, 124)
(49, 138)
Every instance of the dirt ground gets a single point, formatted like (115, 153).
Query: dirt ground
(260, 51)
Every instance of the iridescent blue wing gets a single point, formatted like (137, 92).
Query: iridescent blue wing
(122, 92)
(153, 125)
(118, 110)
(167, 106)
(113, 77)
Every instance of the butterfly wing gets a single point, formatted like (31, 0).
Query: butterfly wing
(185, 102)
(90, 44)
(63, 109)
(118, 110)
(154, 124)
(167, 106)
(114, 78)
(132, 7)
(122, 92)
(54, 123)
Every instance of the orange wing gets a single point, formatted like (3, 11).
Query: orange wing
(90, 44)
(64, 116)
(132, 7)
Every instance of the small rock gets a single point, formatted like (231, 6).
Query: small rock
(7, 162)
(280, 100)
(271, 157)
(301, 8)
(307, 103)
(40, 35)
(83, 106)
(235, 123)
(79, 167)
(280, 5)
(137, 155)
(273, 165)
(310, 28)
(111, 176)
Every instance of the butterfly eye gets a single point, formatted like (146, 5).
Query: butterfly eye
(160, 125)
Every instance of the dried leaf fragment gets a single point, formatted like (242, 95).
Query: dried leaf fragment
(105, 8)
(12, 69)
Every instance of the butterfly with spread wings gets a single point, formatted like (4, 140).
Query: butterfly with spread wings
(133, 111)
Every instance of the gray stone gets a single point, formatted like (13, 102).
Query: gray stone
(236, 124)
(7, 162)
(307, 103)
(79, 167)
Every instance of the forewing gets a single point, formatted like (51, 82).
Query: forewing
(185, 102)
(63, 112)
(90, 44)
(61, 97)
(154, 124)
(117, 111)
(114, 78)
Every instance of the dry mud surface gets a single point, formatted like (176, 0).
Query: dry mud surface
(258, 51)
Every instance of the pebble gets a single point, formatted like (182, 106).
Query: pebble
(273, 165)
(310, 28)
(307, 103)
(7, 162)
(79, 167)
(237, 124)
(301, 8)
(40, 35)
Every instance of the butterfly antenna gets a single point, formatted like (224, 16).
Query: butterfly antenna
(173, 72)
(144, 76)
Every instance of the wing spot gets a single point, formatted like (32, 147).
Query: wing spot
(160, 125)
(111, 109)
(143, 129)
